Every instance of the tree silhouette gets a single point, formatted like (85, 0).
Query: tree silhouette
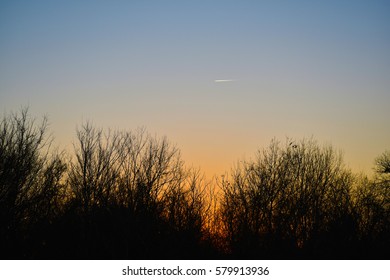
(382, 163)
(289, 201)
(129, 195)
(157, 202)
(93, 175)
(30, 178)
(372, 209)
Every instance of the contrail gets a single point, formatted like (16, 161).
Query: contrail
(223, 81)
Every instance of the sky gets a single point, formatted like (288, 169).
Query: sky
(219, 79)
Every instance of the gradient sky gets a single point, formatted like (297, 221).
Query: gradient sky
(295, 69)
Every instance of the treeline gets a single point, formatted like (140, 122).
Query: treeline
(129, 195)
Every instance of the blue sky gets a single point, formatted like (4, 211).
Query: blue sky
(300, 69)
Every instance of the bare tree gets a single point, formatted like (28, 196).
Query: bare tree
(30, 175)
(149, 167)
(93, 175)
(382, 163)
(372, 208)
(143, 180)
(20, 144)
(285, 196)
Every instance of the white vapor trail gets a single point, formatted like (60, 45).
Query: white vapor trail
(223, 81)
